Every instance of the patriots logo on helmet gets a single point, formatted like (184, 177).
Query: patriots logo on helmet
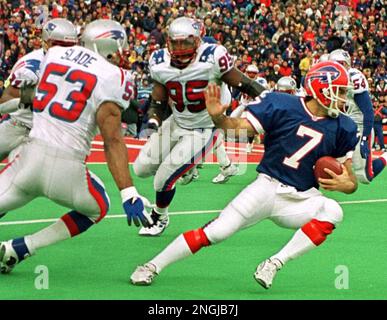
(196, 25)
(113, 34)
(50, 27)
(321, 74)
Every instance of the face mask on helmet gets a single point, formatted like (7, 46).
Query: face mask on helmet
(182, 51)
(328, 82)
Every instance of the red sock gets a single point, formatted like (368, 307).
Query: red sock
(196, 239)
(317, 230)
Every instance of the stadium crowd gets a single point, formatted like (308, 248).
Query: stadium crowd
(281, 37)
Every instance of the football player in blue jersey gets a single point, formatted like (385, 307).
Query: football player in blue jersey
(298, 132)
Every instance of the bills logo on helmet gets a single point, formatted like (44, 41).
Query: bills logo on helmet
(322, 74)
(113, 34)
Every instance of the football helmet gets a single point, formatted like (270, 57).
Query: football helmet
(108, 38)
(262, 82)
(59, 32)
(184, 38)
(287, 85)
(324, 57)
(341, 56)
(327, 82)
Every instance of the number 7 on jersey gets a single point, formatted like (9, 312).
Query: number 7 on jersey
(294, 160)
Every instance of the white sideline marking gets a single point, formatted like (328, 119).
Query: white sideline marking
(114, 216)
(109, 216)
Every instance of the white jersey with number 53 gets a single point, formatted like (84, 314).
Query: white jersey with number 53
(185, 86)
(359, 85)
(74, 82)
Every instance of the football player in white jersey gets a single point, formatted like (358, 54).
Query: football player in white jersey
(181, 73)
(360, 109)
(19, 121)
(289, 85)
(252, 72)
(79, 90)
(17, 124)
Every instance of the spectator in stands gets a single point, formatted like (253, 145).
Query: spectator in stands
(380, 110)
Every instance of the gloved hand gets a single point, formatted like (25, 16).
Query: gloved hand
(27, 94)
(364, 147)
(134, 206)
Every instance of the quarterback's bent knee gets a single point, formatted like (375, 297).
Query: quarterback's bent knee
(332, 212)
(317, 231)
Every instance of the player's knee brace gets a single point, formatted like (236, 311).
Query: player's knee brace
(76, 222)
(196, 239)
(317, 231)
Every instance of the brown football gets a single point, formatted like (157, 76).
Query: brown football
(329, 163)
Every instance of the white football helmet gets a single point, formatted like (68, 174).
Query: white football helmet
(184, 38)
(107, 38)
(287, 85)
(324, 57)
(341, 56)
(262, 82)
(60, 32)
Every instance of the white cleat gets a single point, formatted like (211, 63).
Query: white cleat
(226, 173)
(144, 275)
(189, 176)
(266, 272)
(160, 223)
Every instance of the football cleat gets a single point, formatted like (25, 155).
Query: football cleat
(226, 173)
(160, 223)
(266, 272)
(189, 176)
(144, 275)
(12, 252)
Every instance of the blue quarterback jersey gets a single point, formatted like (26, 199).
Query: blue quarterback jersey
(295, 138)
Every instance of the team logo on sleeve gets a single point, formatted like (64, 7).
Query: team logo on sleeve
(322, 74)
(112, 34)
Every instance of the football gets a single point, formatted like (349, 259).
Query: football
(329, 163)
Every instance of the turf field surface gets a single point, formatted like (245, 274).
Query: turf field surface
(98, 263)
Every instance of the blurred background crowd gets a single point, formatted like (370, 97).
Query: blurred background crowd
(282, 38)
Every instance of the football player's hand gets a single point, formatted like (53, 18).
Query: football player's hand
(338, 182)
(134, 206)
(364, 147)
(213, 103)
(27, 94)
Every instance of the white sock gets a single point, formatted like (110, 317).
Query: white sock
(297, 246)
(161, 211)
(53, 233)
(222, 156)
(177, 250)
